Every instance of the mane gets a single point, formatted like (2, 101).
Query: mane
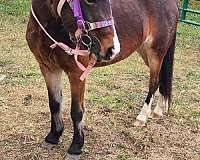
(51, 22)
(43, 10)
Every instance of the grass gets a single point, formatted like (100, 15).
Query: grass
(15, 7)
(113, 98)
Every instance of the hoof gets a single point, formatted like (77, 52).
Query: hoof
(156, 115)
(72, 157)
(75, 149)
(48, 146)
(139, 123)
(52, 138)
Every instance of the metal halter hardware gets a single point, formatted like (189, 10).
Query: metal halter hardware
(86, 40)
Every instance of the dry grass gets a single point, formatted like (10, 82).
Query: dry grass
(113, 99)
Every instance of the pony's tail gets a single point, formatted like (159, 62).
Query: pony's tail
(166, 73)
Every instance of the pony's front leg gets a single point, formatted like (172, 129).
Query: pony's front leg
(54, 87)
(77, 111)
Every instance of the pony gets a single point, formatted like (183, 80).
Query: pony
(94, 33)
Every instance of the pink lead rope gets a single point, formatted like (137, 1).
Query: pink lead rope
(88, 70)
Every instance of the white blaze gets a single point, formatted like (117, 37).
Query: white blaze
(117, 47)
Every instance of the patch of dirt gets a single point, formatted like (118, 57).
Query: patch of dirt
(109, 134)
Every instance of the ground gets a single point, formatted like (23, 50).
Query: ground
(113, 99)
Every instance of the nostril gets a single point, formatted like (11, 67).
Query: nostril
(109, 53)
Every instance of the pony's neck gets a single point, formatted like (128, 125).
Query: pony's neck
(44, 11)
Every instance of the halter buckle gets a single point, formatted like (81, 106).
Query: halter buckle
(81, 24)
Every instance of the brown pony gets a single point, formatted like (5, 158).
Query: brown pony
(145, 26)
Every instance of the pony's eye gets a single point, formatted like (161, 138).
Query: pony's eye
(91, 1)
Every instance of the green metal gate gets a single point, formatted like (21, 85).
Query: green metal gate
(185, 9)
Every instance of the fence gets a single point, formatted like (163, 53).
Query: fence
(185, 9)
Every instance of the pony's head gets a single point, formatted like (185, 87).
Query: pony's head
(95, 19)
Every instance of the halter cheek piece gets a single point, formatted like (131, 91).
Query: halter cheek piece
(91, 42)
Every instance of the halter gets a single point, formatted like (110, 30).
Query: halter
(81, 23)
(83, 28)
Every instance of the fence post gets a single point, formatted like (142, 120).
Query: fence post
(183, 12)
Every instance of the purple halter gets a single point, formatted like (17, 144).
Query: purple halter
(78, 14)
(76, 7)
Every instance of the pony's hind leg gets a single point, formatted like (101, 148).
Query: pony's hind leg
(77, 113)
(54, 87)
(154, 62)
(165, 87)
